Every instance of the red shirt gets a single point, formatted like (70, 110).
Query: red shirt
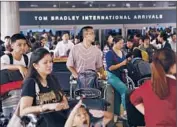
(158, 113)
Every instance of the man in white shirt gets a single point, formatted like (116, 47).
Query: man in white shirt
(18, 43)
(173, 41)
(63, 47)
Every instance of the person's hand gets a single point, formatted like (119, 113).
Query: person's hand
(60, 106)
(50, 107)
(129, 58)
(65, 105)
(75, 76)
(23, 71)
(103, 77)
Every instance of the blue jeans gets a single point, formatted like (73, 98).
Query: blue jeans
(120, 90)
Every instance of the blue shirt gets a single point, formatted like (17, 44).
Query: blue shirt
(112, 59)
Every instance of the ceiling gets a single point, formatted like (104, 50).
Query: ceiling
(95, 4)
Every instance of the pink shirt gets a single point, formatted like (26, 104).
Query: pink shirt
(82, 59)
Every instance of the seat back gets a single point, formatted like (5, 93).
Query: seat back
(11, 80)
(88, 79)
(64, 80)
(88, 85)
(135, 118)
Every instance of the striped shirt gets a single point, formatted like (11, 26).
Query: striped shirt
(83, 59)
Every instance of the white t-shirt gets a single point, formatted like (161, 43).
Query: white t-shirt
(6, 60)
(173, 45)
(62, 48)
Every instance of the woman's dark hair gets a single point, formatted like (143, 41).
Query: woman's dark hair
(137, 53)
(36, 56)
(117, 38)
(162, 61)
(107, 43)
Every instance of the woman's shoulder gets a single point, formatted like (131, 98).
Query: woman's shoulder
(110, 52)
(29, 81)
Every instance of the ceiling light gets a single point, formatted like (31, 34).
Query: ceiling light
(33, 5)
(113, 5)
(67, 2)
(90, 5)
(140, 5)
(154, 5)
(109, 5)
(73, 6)
(54, 5)
(127, 4)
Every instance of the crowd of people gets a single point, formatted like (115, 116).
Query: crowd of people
(33, 57)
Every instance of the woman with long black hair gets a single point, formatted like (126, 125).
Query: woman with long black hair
(41, 92)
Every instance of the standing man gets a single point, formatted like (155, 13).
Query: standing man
(84, 55)
(63, 47)
(162, 38)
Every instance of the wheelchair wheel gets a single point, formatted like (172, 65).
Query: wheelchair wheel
(130, 84)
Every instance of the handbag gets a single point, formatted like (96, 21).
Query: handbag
(16, 121)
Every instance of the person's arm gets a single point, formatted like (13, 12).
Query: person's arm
(5, 64)
(28, 95)
(27, 108)
(26, 101)
(69, 122)
(140, 108)
(70, 63)
(117, 66)
(73, 71)
(136, 98)
(109, 62)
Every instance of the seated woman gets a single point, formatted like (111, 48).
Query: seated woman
(49, 97)
(156, 98)
(81, 117)
(115, 60)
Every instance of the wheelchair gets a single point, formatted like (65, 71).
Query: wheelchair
(91, 96)
(128, 81)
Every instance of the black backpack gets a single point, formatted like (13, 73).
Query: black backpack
(25, 59)
(133, 73)
(143, 68)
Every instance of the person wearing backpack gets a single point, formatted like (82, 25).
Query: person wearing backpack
(142, 67)
(16, 60)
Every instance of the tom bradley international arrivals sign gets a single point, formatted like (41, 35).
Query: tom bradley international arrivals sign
(97, 17)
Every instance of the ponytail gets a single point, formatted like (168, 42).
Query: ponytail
(159, 82)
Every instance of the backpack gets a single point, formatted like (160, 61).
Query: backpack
(24, 56)
(133, 73)
(142, 67)
(145, 55)
(12, 79)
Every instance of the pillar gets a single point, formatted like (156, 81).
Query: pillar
(10, 22)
